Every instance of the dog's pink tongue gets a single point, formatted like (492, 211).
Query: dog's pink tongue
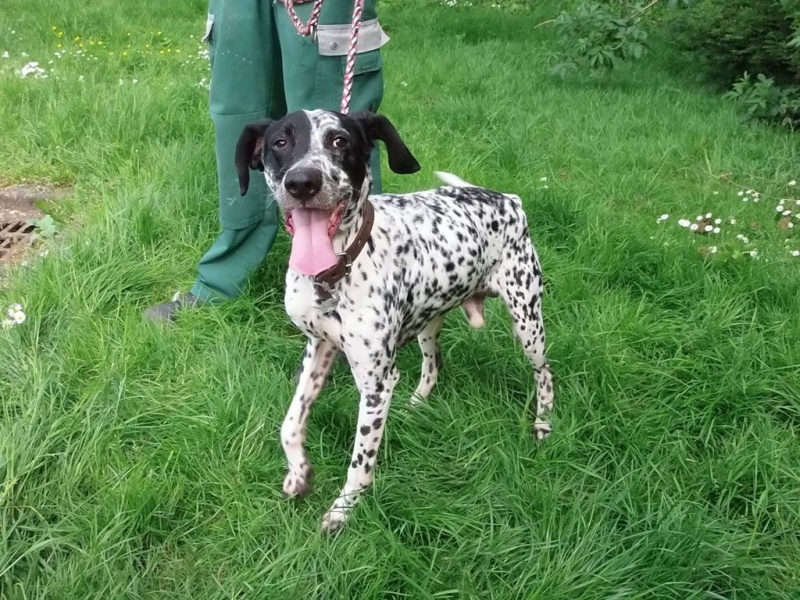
(312, 249)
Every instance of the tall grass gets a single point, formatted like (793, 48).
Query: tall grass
(137, 462)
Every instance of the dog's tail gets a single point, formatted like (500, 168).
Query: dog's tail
(453, 180)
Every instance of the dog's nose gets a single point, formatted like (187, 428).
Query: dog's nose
(303, 183)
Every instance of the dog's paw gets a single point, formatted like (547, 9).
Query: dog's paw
(542, 429)
(333, 521)
(297, 485)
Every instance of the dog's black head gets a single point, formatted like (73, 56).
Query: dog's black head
(318, 159)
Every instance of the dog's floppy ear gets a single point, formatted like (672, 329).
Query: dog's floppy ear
(249, 151)
(378, 127)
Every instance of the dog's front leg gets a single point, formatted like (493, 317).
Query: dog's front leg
(319, 357)
(376, 384)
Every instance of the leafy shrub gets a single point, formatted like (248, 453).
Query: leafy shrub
(763, 99)
(731, 37)
(596, 38)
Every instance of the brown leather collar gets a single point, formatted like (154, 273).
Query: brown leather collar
(341, 269)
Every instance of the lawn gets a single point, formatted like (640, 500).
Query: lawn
(138, 462)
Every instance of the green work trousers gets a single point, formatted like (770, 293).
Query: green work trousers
(262, 68)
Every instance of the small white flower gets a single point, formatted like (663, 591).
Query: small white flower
(786, 213)
(6, 54)
(135, 81)
(15, 316)
(662, 218)
(716, 230)
(732, 221)
(716, 193)
(790, 225)
(81, 78)
(693, 226)
(779, 208)
(797, 202)
(748, 192)
(741, 193)
(708, 215)
(699, 218)
(793, 182)
(32, 68)
(684, 223)
(713, 249)
(545, 187)
(756, 195)
(744, 199)
(708, 228)
(543, 178)
(717, 221)
(752, 253)
(756, 199)
(795, 252)
(404, 83)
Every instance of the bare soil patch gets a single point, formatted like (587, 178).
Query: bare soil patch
(18, 206)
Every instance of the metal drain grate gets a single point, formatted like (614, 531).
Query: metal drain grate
(14, 236)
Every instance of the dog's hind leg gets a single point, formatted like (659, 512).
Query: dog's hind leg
(519, 284)
(431, 359)
(318, 359)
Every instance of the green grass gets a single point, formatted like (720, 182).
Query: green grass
(140, 463)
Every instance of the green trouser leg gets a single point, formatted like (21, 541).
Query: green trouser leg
(246, 85)
(261, 68)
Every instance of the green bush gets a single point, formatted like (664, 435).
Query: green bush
(598, 38)
(733, 40)
(731, 37)
(763, 99)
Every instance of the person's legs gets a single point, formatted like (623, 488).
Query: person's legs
(246, 85)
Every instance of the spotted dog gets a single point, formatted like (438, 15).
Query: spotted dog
(367, 274)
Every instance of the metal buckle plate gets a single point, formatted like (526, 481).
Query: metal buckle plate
(348, 264)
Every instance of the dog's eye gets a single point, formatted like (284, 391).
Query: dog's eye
(339, 142)
(279, 143)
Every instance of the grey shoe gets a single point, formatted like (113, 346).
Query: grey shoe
(167, 312)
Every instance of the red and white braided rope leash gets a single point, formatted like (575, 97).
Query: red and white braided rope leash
(306, 29)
